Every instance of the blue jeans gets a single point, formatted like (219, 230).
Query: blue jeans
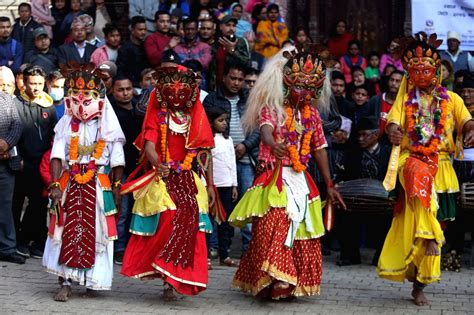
(123, 223)
(245, 177)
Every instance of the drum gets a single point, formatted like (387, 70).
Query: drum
(467, 196)
(367, 196)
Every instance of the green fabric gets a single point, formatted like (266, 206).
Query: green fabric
(371, 73)
(447, 206)
(109, 203)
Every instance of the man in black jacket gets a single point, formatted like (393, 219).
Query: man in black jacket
(38, 116)
(233, 98)
(24, 27)
(43, 55)
(79, 50)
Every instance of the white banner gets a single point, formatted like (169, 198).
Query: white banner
(441, 16)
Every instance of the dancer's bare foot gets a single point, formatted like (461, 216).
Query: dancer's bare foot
(168, 294)
(281, 285)
(419, 297)
(63, 294)
(91, 293)
(432, 248)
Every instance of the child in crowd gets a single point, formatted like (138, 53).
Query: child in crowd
(225, 180)
(372, 72)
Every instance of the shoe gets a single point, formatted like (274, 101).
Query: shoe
(347, 262)
(23, 251)
(36, 253)
(118, 258)
(228, 262)
(13, 258)
(214, 253)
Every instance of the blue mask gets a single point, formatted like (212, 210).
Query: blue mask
(57, 94)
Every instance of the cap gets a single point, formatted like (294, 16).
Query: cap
(454, 35)
(109, 67)
(468, 81)
(367, 123)
(170, 56)
(228, 18)
(39, 32)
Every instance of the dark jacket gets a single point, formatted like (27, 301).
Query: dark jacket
(131, 61)
(38, 130)
(68, 52)
(48, 61)
(11, 54)
(362, 164)
(24, 34)
(217, 98)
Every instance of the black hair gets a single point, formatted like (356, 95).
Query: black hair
(138, 19)
(161, 12)
(356, 68)
(33, 71)
(145, 72)
(5, 19)
(233, 65)
(388, 66)
(193, 64)
(24, 4)
(367, 123)
(120, 78)
(189, 20)
(372, 54)
(333, 31)
(251, 71)
(55, 75)
(396, 72)
(109, 28)
(273, 6)
(364, 86)
(237, 5)
(212, 114)
(461, 73)
(354, 42)
(337, 75)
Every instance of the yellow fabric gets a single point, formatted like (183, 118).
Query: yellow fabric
(43, 100)
(446, 180)
(154, 198)
(404, 248)
(270, 37)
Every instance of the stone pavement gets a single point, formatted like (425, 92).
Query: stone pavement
(344, 290)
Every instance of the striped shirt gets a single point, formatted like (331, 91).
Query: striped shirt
(236, 132)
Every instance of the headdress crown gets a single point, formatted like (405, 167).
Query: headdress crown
(304, 67)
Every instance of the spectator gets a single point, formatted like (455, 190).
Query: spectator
(228, 49)
(75, 11)
(205, 15)
(259, 13)
(461, 60)
(191, 48)
(7, 81)
(55, 85)
(352, 58)
(43, 55)
(243, 26)
(372, 72)
(132, 58)
(359, 106)
(358, 79)
(79, 50)
(20, 84)
(256, 60)
(458, 79)
(174, 5)
(101, 16)
(302, 36)
(196, 66)
(175, 16)
(271, 33)
(383, 83)
(145, 8)
(338, 88)
(159, 41)
(339, 40)
(130, 123)
(233, 98)
(11, 51)
(59, 10)
(109, 51)
(251, 76)
(448, 74)
(41, 13)
(111, 72)
(392, 58)
(10, 132)
(383, 103)
(147, 80)
(38, 117)
(207, 31)
(198, 5)
(24, 26)
(91, 38)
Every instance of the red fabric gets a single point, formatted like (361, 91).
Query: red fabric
(111, 226)
(384, 109)
(155, 46)
(268, 256)
(346, 69)
(78, 239)
(45, 171)
(141, 259)
(220, 65)
(337, 45)
(419, 173)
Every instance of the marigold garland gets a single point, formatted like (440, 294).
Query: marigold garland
(74, 155)
(412, 111)
(299, 159)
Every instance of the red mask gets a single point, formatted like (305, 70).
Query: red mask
(177, 95)
(422, 75)
(299, 96)
(176, 88)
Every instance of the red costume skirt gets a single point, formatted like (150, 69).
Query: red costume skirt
(141, 259)
(268, 260)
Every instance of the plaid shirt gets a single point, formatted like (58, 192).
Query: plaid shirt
(10, 125)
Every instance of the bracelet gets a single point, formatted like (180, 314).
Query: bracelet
(118, 184)
(330, 184)
(54, 184)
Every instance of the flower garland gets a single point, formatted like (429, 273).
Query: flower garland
(299, 159)
(187, 163)
(74, 155)
(425, 141)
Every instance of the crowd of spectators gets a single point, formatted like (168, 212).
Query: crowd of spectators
(226, 43)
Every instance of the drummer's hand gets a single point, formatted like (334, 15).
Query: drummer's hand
(335, 198)
(395, 134)
(469, 139)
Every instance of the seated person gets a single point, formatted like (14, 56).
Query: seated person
(369, 160)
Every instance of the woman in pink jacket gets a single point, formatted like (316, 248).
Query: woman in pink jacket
(42, 14)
